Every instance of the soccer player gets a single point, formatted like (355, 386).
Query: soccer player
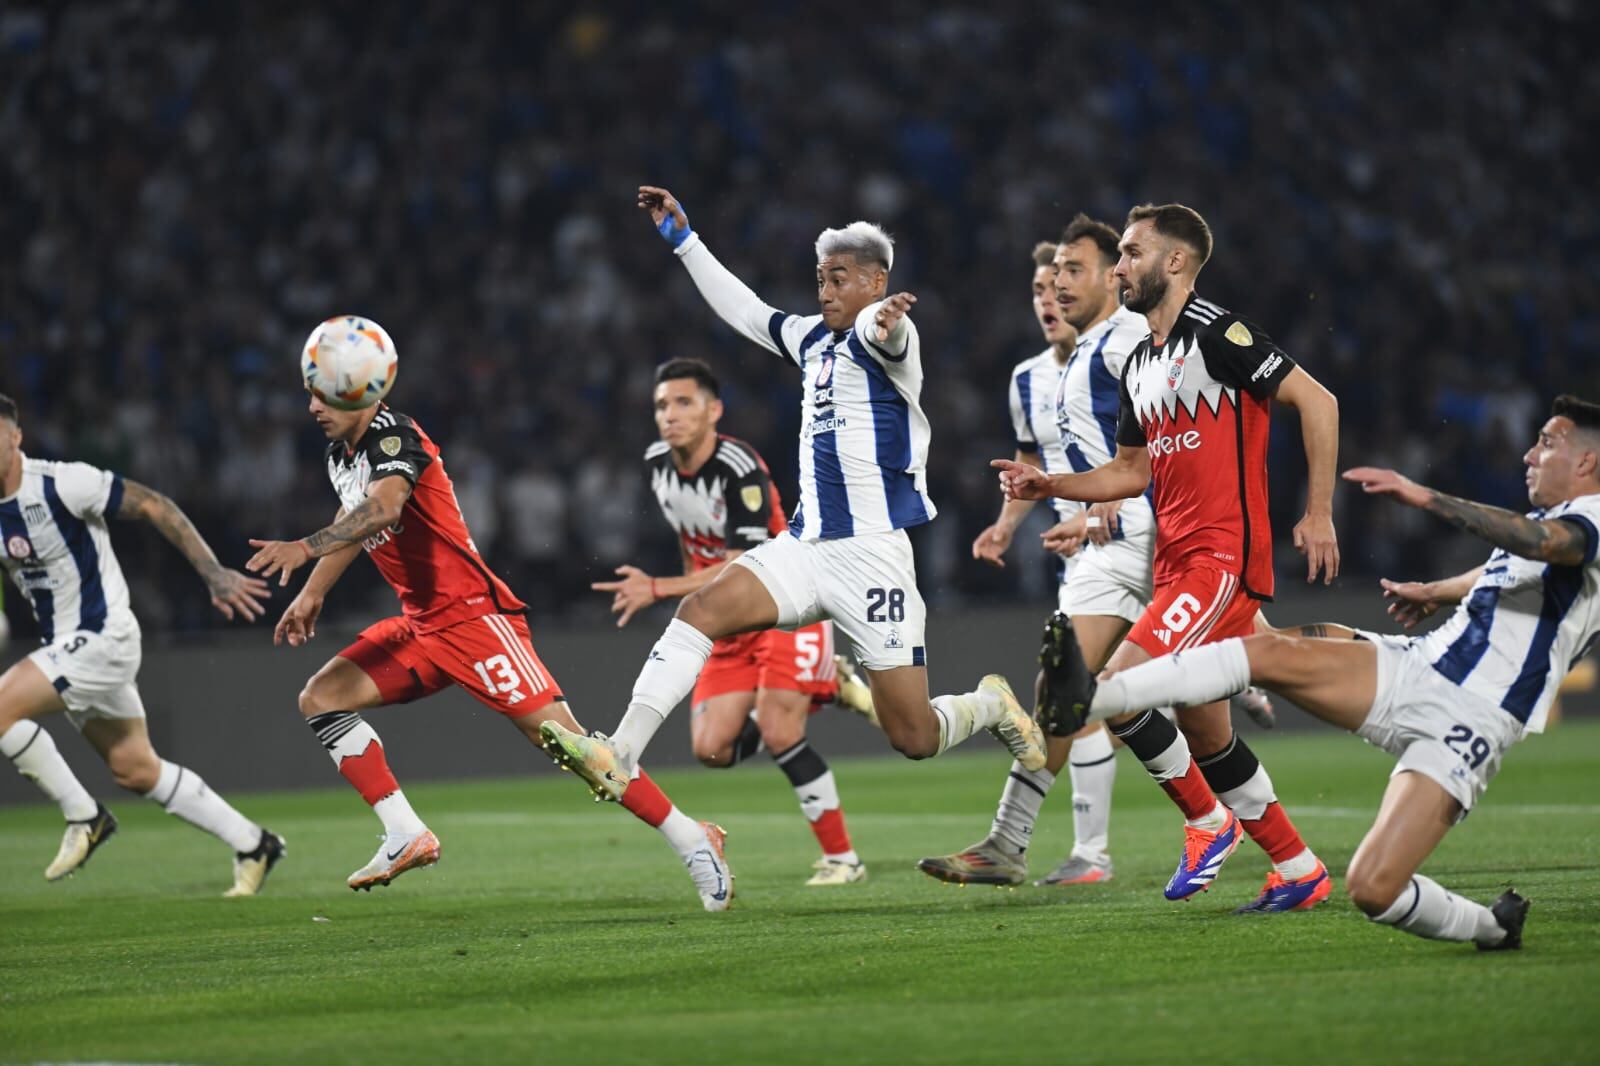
(845, 556)
(757, 689)
(1447, 705)
(459, 624)
(57, 550)
(1194, 405)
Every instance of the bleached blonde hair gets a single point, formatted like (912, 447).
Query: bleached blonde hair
(864, 240)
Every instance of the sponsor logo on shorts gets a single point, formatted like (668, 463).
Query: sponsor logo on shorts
(1164, 635)
(893, 640)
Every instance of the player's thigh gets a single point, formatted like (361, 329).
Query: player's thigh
(1415, 815)
(781, 715)
(868, 586)
(124, 744)
(1335, 680)
(1207, 727)
(737, 601)
(1098, 636)
(716, 723)
(900, 696)
(25, 692)
(1317, 630)
(343, 684)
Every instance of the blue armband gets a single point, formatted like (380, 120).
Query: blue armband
(668, 227)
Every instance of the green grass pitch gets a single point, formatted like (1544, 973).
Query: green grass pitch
(555, 930)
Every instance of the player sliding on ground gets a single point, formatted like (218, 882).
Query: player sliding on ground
(459, 624)
(845, 556)
(1448, 704)
(58, 551)
(758, 689)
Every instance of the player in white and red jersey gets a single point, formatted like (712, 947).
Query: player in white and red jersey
(757, 689)
(1449, 704)
(459, 624)
(1194, 410)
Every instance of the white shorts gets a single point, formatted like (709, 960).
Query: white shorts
(94, 672)
(867, 585)
(1434, 726)
(1114, 579)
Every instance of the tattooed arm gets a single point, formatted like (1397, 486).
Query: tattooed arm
(230, 590)
(386, 498)
(1551, 541)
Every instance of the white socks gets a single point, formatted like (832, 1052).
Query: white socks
(1426, 909)
(665, 681)
(185, 795)
(683, 833)
(1190, 678)
(1093, 769)
(34, 752)
(961, 716)
(399, 820)
(1019, 807)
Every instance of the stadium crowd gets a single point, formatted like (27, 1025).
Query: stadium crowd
(189, 188)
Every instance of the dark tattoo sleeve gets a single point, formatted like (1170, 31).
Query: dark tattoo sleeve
(1555, 542)
(142, 502)
(1315, 629)
(361, 522)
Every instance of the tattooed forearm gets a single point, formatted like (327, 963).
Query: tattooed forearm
(1552, 542)
(365, 519)
(142, 502)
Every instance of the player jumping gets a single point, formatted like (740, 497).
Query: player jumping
(1193, 409)
(459, 625)
(757, 689)
(57, 550)
(845, 556)
(1448, 704)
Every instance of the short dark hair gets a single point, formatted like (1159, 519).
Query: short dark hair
(1178, 222)
(695, 370)
(1104, 237)
(1584, 414)
(8, 409)
(1044, 253)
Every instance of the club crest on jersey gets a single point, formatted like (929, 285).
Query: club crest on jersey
(1175, 371)
(825, 373)
(35, 513)
(18, 547)
(389, 446)
(750, 496)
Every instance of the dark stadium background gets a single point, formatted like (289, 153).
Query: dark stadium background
(188, 188)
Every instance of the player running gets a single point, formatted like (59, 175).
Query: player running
(459, 624)
(1193, 410)
(845, 556)
(1448, 704)
(58, 552)
(757, 689)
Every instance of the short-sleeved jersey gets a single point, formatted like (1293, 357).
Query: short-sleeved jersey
(58, 551)
(1200, 402)
(863, 436)
(1032, 396)
(427, 557)
(729, 503)
(1525, 623)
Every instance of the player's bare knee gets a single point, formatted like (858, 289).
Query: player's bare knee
(717, 756)
(913, 741)
(1274, 655)
(135, 771)
(1373, 889)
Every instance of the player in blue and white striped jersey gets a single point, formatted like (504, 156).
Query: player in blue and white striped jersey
(846, 556)
(55, 546)
(1448, 704)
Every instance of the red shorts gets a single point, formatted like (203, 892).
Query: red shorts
(491, 657)
(801, 661)
(1201, 606)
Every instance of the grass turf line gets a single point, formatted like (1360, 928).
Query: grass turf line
(558, 930)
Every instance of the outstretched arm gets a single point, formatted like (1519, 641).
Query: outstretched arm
(729, 297)
(1319, 428)
(299, 621)
(1557, 541)
(1412, 601)
(1124, 477)
(386, 498)
(230, 590)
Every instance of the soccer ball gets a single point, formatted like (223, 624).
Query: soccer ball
(348, 363)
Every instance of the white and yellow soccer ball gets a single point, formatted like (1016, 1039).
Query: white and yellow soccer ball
(348, 362)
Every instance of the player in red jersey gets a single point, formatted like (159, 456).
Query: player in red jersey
(459, 624)
(1195, 401)
(716, 492)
